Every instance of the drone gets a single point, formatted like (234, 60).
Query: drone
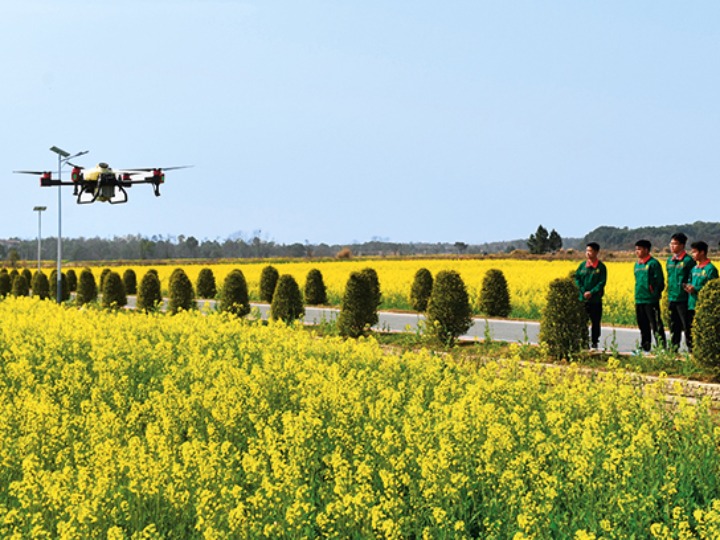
(105, 184)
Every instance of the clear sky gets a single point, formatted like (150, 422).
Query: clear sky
(347, 120)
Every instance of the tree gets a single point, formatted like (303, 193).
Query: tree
(315, 290)
(130, 281)
(13, 257)
(206, 287)
(72, 280)
(539, 242)
(40, 285)
(358, 308)
(449, 314)
(87, 288)
(706, 326)
(5, 284)
(181, 295)
(113, 291)
(494, 294)
(20, 286)
(150, 292)
(235, 298)
(287, 302)
(376, 295)
(421, 289)
(563, 326)
(461, 247)
(268, 281)
(555, 242)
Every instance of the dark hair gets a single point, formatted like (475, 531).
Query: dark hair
(594, 245)
(679, 237)
(644, 244)
(700, 246)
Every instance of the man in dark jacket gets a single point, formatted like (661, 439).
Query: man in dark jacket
(590, 278)
(679, 268)
(649, 285)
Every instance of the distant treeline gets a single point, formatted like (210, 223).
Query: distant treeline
(616, 238)
(136, 247)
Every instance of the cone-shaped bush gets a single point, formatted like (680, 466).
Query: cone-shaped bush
(287, 302)
(706, 326)
(64, 291)
(130, 281)
(206, 286)
(72, 280)
(20, 286)
(495, 295)
(268, 281)
(149, 294)
(103, 275)
(27, 274)
(13, 274)
(563, 326)
(235, 298)
(181, 295)
(371, 276)
(421, 289)
(358, 308)
(87, 288)
(113, 291)
(5, 284)
(40, 285)
(448, 313)
(315, 290)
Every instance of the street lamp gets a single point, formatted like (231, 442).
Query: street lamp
(39, 210)
(63, 157)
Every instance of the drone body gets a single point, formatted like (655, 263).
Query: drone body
(105, 184)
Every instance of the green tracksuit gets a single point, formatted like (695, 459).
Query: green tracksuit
(649, 281)
(592, 280)
(678, 274)
(700, 276)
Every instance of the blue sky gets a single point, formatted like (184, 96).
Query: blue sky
(342, 121)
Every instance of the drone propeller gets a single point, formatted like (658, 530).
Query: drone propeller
(39, 173)
(151, 169)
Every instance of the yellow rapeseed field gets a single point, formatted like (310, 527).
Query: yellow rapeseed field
(127, 425)
(527, 280)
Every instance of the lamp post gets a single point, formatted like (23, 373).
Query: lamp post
(63, 157)
(39, 210)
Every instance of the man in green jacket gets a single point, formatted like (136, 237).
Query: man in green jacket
(702, 272)
(590, 277)
(649, 285)
(679, 267)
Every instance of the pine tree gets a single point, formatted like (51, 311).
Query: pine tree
(40, 285)
(287, 302)
(87, 288)
(130, 281)
(315, 290)
(563, 326)
(268, 281)
(113, 291)
(20, 286)
(494, 294)
(181, 295)
(555, 242)
(449, 314)
(64, 290)
(72, 280)
(706, 326)
(421, 289)
(5, 284)
(539, 242)
(358, 307)
(235, 298)
(205, 285)
(149, 294)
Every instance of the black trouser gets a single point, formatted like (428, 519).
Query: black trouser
(680, 322)
(594, 313)
(650, 322)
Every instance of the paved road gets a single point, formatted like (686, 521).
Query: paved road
(624, 340)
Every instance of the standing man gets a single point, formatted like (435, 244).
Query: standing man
(702, 272)
(649, 285)
(679, 267)
(590, 277)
